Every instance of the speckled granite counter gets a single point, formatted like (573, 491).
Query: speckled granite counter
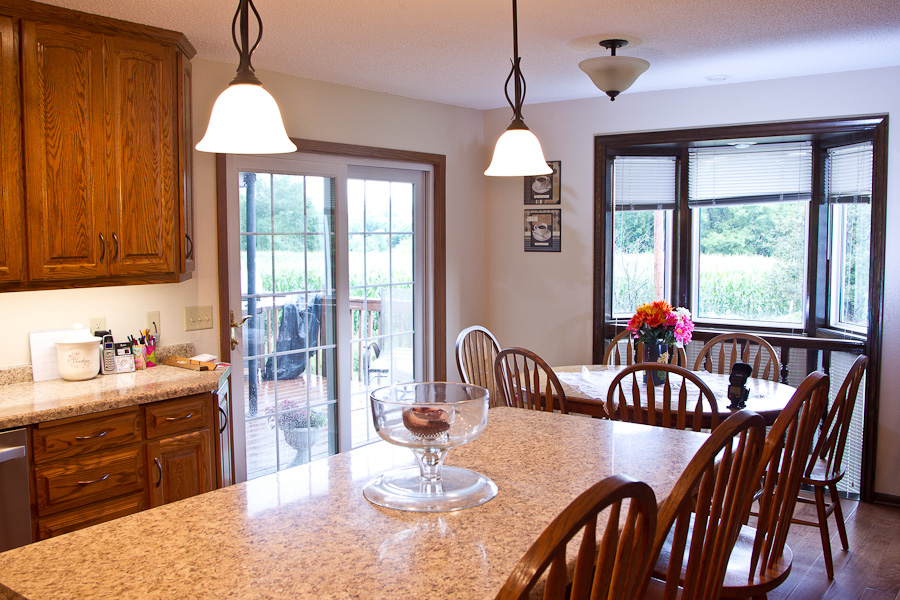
(27, 403)
(308, 532)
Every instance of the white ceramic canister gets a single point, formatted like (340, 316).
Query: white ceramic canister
(78, 354)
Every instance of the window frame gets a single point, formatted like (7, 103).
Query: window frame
(824, 133)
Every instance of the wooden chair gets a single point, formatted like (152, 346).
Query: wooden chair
(761, 559)
(699, 521)
(616, 567)
(639, 406)
(616, 357)
(476, 349)
(525, 380)
(719, 353)
(825, 469)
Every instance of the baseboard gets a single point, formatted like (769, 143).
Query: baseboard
(890, 499)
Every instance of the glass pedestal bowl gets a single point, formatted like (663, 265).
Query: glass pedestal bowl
(430, 418)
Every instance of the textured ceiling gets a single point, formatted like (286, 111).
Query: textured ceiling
(458, 52)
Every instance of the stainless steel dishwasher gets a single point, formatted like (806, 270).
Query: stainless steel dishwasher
(15, 498)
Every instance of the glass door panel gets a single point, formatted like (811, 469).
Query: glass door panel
(384, 286)
(287, 291)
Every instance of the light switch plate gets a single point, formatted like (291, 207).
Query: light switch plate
(197, 317)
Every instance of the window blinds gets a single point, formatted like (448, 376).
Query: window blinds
(644, 182)
(849, 173)
(759, 174)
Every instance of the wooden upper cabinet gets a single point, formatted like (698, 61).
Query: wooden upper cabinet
(12, 216)
(64, 151)
(141, 114)
(95, 150)
(186, 165)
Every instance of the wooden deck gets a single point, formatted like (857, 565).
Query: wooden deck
(267, 450)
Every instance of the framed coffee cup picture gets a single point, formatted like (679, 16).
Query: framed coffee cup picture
(544, 189)
(542, 230)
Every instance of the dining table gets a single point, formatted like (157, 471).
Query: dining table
(586, 388)
(308, 531)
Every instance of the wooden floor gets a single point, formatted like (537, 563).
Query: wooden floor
(869, 571)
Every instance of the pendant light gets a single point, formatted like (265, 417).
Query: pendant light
(245, 118)
(518, 151)
(613, 74)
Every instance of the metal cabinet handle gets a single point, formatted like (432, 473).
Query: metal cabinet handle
(224, 416)
(159, 469)
(91, 437)
(7, 454)
(102, 248)
(184, 418)
(104, 478)
(190, 252)
(116, 242)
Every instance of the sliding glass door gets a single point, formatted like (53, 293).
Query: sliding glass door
(326, 274)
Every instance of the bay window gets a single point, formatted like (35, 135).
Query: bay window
(776, 229)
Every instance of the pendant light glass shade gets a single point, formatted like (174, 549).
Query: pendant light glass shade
(245, 120)
(614, 74)
(518, 153)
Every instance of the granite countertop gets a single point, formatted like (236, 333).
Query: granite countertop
(308, 532)
(28, 403)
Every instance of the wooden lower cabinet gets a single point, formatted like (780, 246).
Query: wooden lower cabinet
(94, 514)
(78, 481)
(180, 467)
(99, 467)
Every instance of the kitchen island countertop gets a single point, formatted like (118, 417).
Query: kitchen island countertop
(29, 403)
(308, 532)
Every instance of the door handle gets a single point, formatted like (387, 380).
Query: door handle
(238, 325)
(224, 416)
(159, 471)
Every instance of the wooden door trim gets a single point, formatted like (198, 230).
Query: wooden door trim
(438, 225)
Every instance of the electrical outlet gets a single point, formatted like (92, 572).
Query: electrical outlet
(197, 317)
(97, 324)
(153, 323)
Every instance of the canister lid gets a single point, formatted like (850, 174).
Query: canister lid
(78, 335)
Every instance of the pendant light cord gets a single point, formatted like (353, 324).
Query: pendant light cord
(516, 75)
(245, 71)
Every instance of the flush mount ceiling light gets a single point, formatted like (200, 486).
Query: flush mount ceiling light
(245, 118)
(613, 74)
(518, 151)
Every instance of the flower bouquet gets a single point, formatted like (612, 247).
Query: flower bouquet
(658, 324)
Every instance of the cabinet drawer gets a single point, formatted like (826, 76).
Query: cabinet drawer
(78, 481)
(86, 435)
(179, 415)
(92, 514)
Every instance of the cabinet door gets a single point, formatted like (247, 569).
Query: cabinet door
(180, 467)
(186, 147)
(226, 437)
(142, 155)
(64, 153)
(12, 225)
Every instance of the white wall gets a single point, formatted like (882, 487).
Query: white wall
(312, 110)
(543, 301)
